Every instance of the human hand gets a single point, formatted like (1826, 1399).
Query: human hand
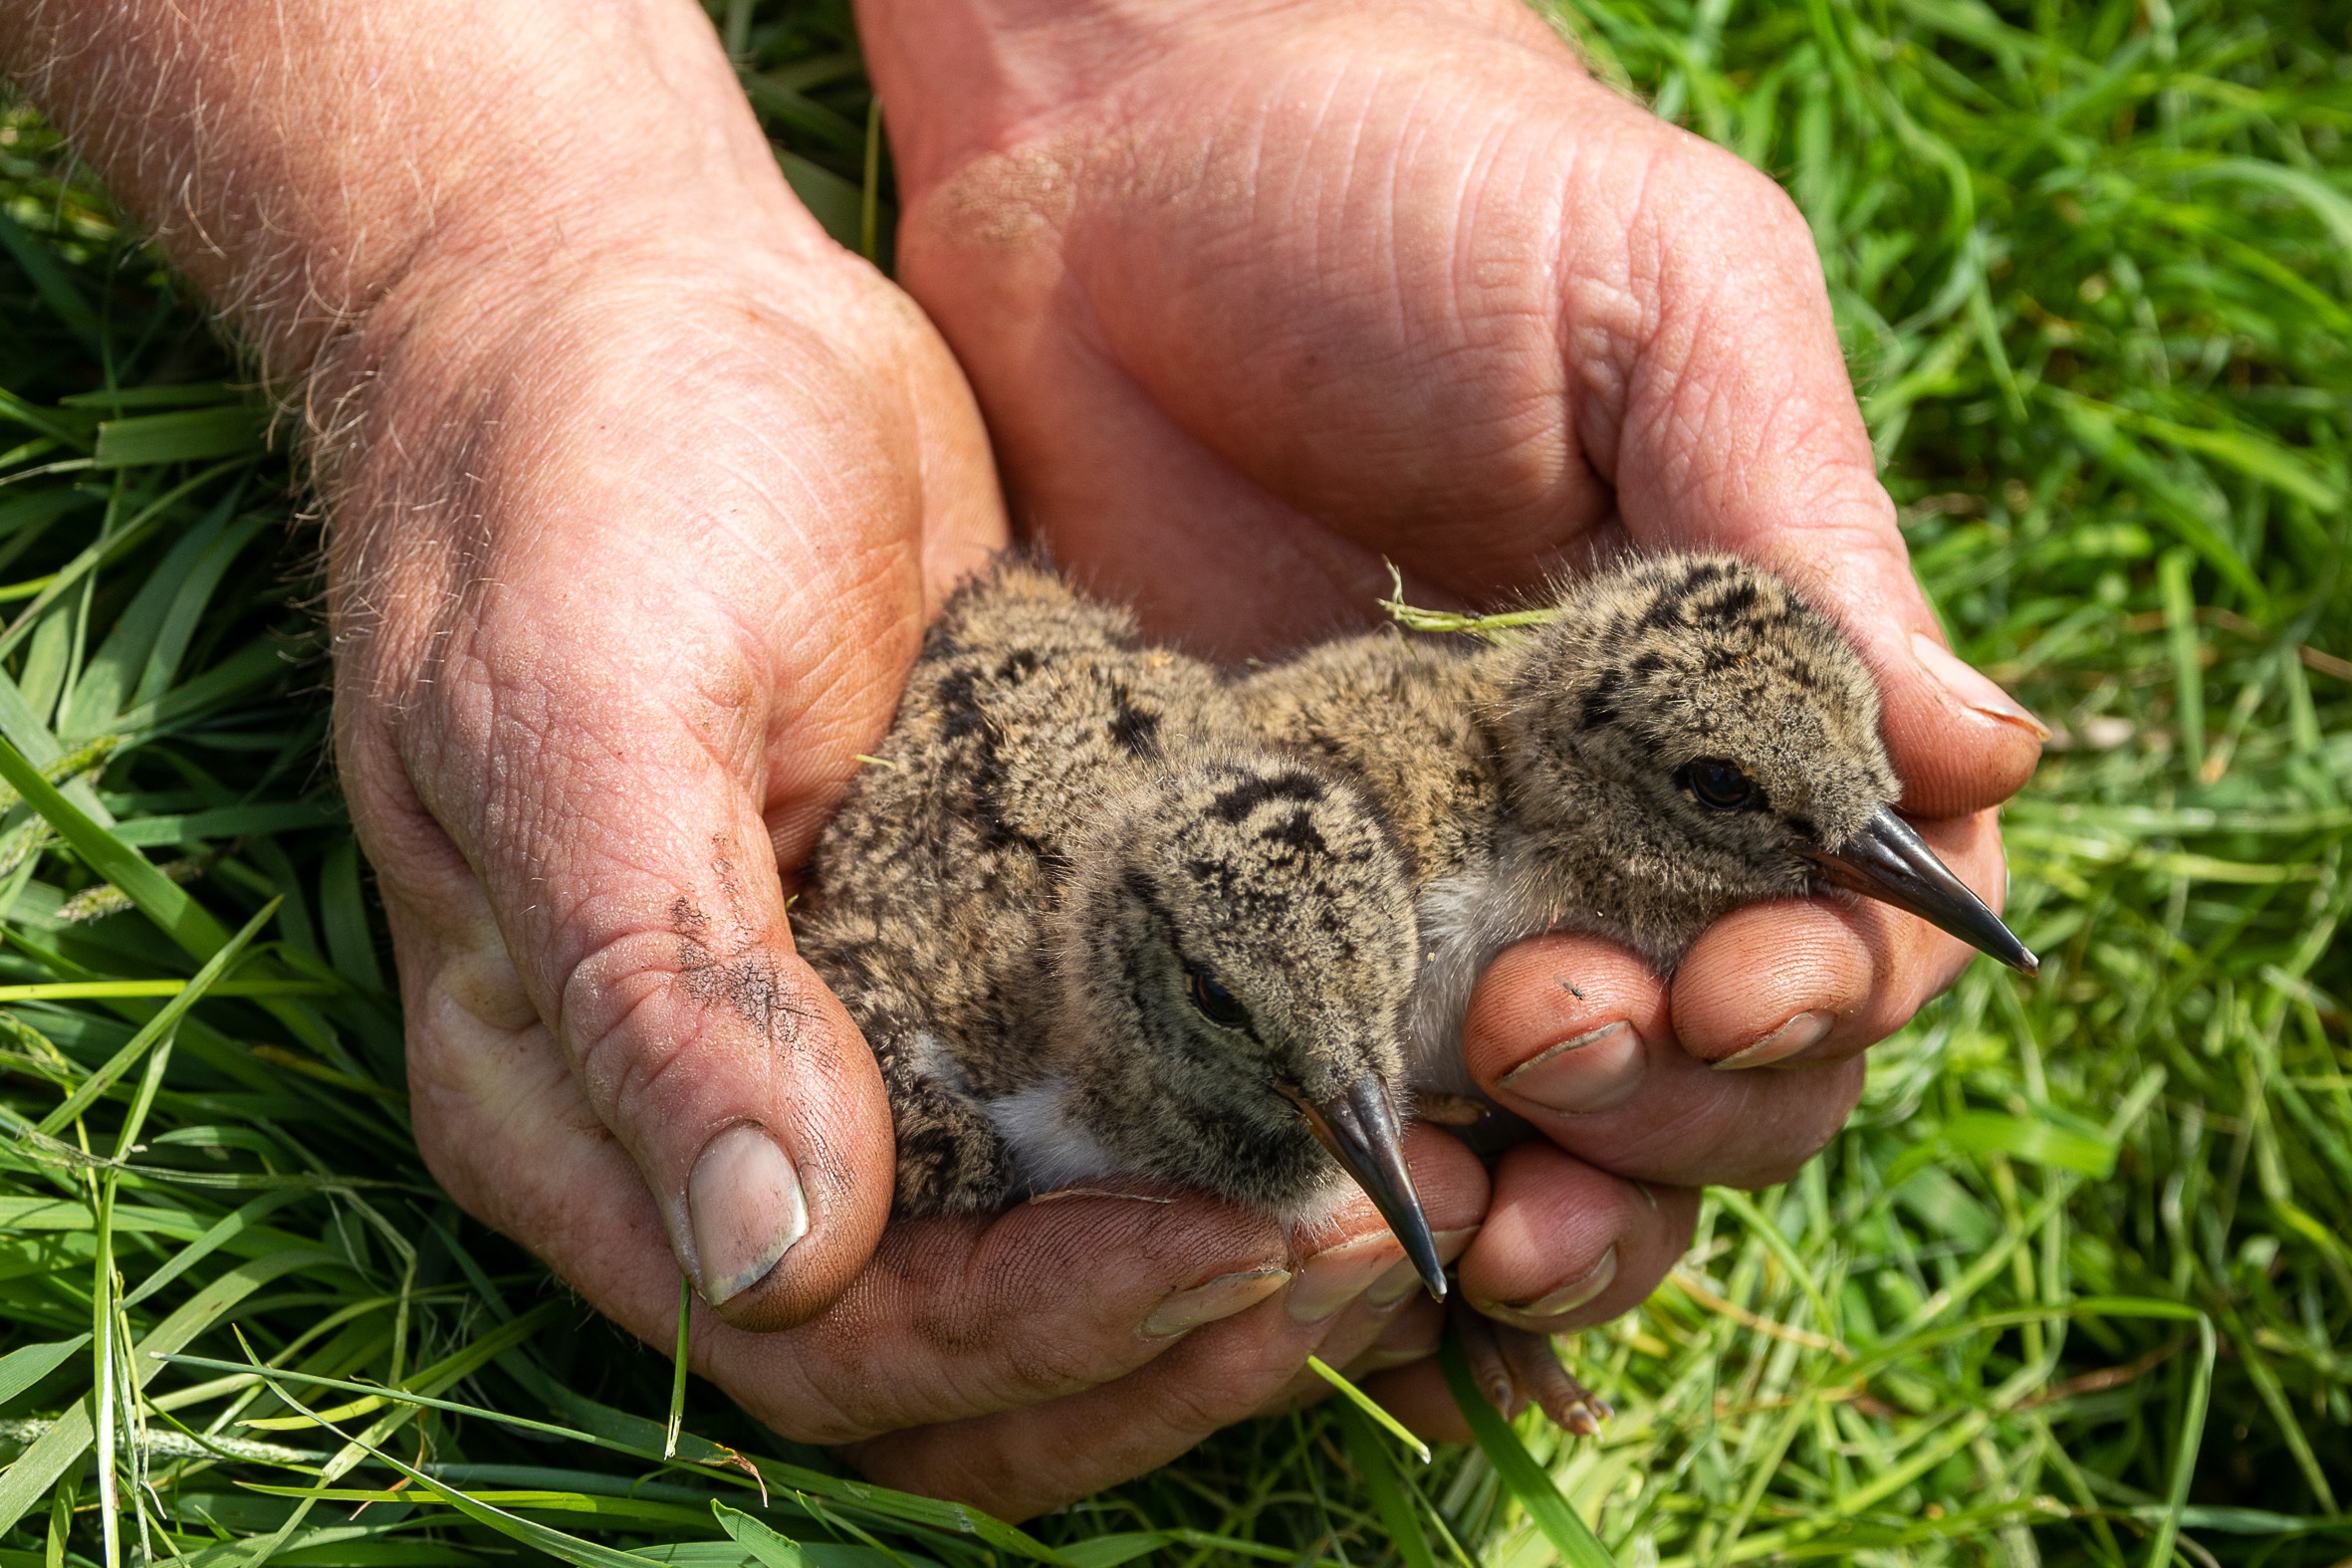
(640, 493)
(1255, 297)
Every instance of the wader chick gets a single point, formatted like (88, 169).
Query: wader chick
(1090, 928)
(1685, 735)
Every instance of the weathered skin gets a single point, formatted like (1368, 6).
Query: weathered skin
(582, 678)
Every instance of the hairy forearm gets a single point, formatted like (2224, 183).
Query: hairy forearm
(308, 162)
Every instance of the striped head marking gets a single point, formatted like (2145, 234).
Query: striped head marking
(1239, 940)
(1701, 719)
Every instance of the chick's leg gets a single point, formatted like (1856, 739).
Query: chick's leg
(1485, 1355)
(1505, 1361)
(951, 1158)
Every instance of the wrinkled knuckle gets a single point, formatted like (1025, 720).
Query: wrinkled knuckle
(1198, 1405)
(620, 1018)
(1055, 1364)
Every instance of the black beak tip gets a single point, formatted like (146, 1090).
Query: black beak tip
(1421, 1247)
(1360, 1126)
(1889, 861)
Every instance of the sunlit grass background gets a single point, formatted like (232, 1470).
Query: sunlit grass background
(2074, 1287)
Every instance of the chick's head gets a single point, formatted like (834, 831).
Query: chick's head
(1239, 949)
(1693, 720)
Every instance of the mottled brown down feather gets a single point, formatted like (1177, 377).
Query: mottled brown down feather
(1541, 784)
(1064, 834)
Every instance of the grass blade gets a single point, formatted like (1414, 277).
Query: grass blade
(185, 436)
(772, 1549)
(159, 1026)
(2186, 1447)
(669, 1438)
(60, 1448)
(160, 899)
(1385, 1486)
(27, 1365)
(1577, 1546)
(1370, 1405)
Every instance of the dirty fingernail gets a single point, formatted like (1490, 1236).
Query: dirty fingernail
(1222, 1296)
(744, 1204)
(1568, 1297)
(1597, 1070)
(1339, 1274)
(1972, 686)
(1799, 1034)
(1402, 1279)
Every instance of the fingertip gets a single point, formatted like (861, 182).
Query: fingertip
(746, 1208)
(1348, 1251)
(766, 1141)
(1974, 689)
(1559, 1024)
(1805, 982)
(1450, 1181)
(784, 1203)
(1959, 741)
(1766, 974)
(1566, 1246)
(775, 1236)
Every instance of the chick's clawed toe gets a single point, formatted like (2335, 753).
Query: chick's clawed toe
(1512, 1364)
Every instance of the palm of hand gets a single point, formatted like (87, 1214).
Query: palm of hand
(1487, 350)
(1306, 297)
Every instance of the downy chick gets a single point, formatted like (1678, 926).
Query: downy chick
(1091, 927)
(1684, 736)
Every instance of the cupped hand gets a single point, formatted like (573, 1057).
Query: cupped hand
(640, 492)
(1256, 299)
(611, 643)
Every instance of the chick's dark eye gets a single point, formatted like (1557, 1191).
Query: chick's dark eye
(1216, 1005)
(1719, 784)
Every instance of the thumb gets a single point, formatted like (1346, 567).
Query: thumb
(721, 1063)
(1742, 433)
(628, 869)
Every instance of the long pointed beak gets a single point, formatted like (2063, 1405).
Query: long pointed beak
(1360, 1128)
(1887, 861)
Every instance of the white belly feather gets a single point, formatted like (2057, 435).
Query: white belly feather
(1466, 920)
(1052, 1148)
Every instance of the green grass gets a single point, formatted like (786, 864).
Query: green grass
(2075, 1286)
